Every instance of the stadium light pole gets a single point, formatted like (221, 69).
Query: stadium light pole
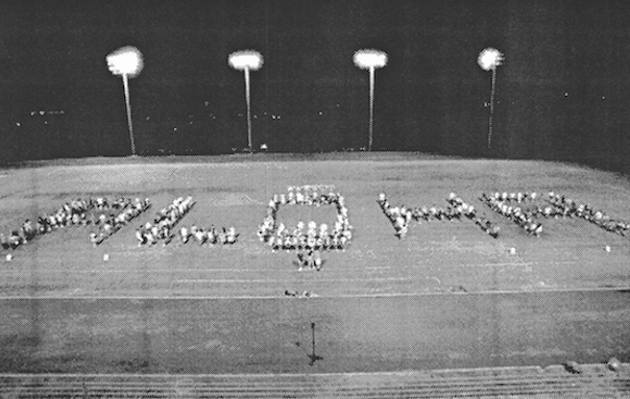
(370, 59)
(246, 60)
(126, 62)
(489, 59)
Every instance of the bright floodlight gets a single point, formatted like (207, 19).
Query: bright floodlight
(490, 58)
(125, 61)
(246, 59)
(370, 58)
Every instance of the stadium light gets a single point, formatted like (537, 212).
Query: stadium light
(370, 59)
(489, 59)
(126, 62)
(246, 60)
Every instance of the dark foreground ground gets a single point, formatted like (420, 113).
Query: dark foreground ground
(593, 381)
(201, 336)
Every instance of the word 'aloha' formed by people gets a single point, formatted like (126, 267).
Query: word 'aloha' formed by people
(401, 216)
(308, 239)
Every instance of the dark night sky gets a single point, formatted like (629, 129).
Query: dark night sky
(430, 97)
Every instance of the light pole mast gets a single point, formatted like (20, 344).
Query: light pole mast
(128, 106)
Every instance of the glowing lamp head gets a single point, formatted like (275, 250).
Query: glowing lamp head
(490, 58)
(125, 61)
(370, 58)
(246, 59)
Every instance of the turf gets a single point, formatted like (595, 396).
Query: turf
(274, 336)
(435, 257)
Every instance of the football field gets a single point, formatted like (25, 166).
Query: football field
(436, 256)
(446, 296)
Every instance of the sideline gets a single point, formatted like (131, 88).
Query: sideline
(587, 367)
(624, 289)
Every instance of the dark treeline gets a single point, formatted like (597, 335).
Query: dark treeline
(562, 93)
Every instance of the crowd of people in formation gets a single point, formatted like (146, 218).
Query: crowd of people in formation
(506, 205)
(546, 211)
(162, 228)
(209, 236)
(70, 213)
(300, 294)
(124, 211)
(555, 206)
(309, 259)
(77, 212)
(401, 216)
(471, 213)
(311, 195)
(307, 238)
(567, 207)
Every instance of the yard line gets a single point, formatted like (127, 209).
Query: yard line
(259, 281)
(347, 296)
(279, 268)
(239, 376)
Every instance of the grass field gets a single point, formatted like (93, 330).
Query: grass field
(435, 257)
(447, 296)
(199, 336)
